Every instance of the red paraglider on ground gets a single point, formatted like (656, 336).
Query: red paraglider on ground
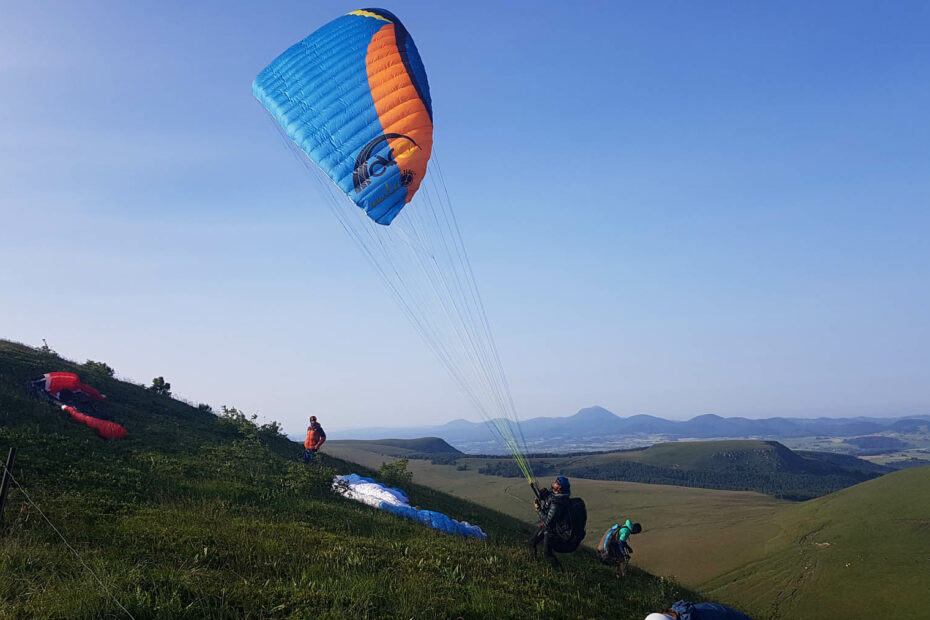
(104, 428)
(57, 383)
(66, 390)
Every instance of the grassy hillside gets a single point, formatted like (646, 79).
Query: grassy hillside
(863, 552)
(197, 516)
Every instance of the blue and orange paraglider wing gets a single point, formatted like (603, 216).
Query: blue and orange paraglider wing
(354, 97)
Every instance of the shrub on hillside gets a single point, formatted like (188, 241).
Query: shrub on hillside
(301, 480)
(246, 424)
(243, 423)
(395, 474)
(160, 386)
(101, 369)
(272, 428)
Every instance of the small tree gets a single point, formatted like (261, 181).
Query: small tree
(160, 386)
(247, 425)
(395, 474)
(205, 408)
(239, 420)
(98, 368)
(273, 428)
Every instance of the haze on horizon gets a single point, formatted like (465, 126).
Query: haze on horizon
(677, 210)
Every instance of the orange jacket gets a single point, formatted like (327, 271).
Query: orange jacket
(315, 438)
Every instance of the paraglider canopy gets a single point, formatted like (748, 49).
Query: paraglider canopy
(56, 383)
(354, 97)
(104, 428)
(395, 501)
(66, 390)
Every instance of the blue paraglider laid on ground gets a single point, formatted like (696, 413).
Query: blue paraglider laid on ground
(395, 501)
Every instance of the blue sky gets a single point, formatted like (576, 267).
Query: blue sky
(671, 208)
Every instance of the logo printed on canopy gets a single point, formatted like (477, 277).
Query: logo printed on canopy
(367, 166)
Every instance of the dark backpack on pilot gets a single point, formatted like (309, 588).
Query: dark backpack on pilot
(578, 517)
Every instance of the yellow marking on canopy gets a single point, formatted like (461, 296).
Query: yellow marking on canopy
(407, 153)
(370, 14)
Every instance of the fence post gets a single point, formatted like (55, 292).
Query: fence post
(7, 478)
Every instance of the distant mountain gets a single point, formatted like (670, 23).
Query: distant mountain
(647, 425)
(596, 428)
(911, 425)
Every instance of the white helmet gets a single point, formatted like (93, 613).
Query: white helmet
(659, 617)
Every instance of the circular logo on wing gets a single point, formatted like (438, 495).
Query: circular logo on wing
(368, 165)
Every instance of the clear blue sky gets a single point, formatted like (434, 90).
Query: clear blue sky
(672, 208)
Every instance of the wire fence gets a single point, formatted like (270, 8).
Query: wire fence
(29, 499)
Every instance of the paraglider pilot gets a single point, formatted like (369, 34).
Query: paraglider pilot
(315, 438)
(613, 548)
(555, 528)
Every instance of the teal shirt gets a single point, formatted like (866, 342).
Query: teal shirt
(617, 532)
(626, 531)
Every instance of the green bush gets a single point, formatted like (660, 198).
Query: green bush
(100, 369)
(160, 386)
(302, 481)
(395, 474)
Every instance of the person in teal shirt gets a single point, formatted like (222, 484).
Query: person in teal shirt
(613, 548)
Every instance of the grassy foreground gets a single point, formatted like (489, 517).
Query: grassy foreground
(195, 516)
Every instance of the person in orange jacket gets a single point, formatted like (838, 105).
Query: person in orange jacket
(315, 438)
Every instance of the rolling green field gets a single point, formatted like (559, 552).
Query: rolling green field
(857, 553)
(848, 551)
(198, 516)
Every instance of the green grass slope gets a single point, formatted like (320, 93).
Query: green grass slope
(863, 552)
(195, 516)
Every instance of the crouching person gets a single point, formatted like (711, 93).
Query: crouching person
(562, 521)
(613, 548)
